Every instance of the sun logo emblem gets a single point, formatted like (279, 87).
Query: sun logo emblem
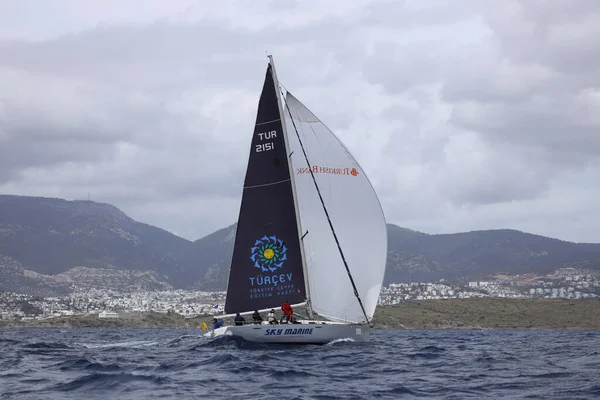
(268, 253)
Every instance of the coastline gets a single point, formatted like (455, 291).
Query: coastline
(480, 313)
(491, 313)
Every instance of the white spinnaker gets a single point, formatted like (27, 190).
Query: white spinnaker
(355, 213)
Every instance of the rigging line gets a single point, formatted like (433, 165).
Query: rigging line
(267, 122)
(337, 242)
(267, 184)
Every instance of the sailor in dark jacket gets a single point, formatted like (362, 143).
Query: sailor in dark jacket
(256, 318)
(239, 320)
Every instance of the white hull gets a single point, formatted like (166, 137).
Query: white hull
(307, 332)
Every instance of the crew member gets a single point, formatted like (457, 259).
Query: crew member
(239, 320)
(271, 317)
(287, 311)
(217, 323)
(256, 318)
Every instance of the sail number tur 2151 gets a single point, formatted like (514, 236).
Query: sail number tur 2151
(263, 136)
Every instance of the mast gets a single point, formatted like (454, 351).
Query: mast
(295, 197)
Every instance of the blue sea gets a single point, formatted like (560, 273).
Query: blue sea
(178, 363)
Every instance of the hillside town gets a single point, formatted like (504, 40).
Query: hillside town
(565, 283)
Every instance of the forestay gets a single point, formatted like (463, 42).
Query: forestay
(355, 213)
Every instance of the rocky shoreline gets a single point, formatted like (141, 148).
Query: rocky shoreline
(482, 313)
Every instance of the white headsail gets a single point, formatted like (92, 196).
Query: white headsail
(355, 213)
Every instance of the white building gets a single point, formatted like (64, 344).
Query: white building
(108, 314)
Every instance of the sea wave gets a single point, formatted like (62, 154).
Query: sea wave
(160, 363)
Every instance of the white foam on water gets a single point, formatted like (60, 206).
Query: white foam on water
(132, 344)
(339, 341)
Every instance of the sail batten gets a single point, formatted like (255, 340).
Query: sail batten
(267, 122)
(267, 184)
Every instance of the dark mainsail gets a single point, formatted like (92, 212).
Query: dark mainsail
(266, 267)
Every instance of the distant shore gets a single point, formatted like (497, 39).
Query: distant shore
(491, 313)
(481, 313)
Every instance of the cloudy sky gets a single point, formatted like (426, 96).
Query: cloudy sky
(465, 114)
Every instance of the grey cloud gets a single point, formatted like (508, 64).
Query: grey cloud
(70, 127)
(513, 86)
(483, 74)
(532, 89)
(555, 124)
(192, 52)
(497, 178)
(563, 34)
(411, 14)
(405, 65)
(463, 112)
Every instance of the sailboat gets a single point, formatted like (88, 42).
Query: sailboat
(311, 230)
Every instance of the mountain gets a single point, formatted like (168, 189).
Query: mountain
(51, 246)
(215, 251)
(52, 236)
(415, 256)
